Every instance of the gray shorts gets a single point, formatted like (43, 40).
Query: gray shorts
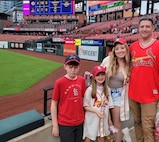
(116, 96)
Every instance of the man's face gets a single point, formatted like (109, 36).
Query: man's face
(146, 29)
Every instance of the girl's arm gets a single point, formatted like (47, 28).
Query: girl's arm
(98, 113)
(109, 119)
(55, 129)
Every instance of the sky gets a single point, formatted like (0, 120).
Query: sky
(144, 4)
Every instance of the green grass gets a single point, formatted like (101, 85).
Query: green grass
(18, 72)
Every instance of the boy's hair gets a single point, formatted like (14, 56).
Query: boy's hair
(73, 63)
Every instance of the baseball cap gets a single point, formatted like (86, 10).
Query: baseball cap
(120, 40)
(98, 69)
(72, 58)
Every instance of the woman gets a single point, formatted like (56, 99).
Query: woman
(118, 71)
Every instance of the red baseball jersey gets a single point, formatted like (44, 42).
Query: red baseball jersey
(144, 80)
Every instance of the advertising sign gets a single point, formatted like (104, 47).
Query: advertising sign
(92, 42)
(69, 41)
(95, 5)
(94, 8)
(92, 3)
(77, 42)
(69, 49)
(39, 47)
(112, 5)
(16, 45)
(107, 7)
(57, 39)
(3, 44)
(26, 7)
(88, 52)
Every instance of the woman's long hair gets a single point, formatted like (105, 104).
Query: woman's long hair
(114, 65)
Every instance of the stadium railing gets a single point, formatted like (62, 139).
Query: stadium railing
(46, 99)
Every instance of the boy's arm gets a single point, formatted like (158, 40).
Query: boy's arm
(55, 129)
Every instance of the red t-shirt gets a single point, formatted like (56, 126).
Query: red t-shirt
(69, 94)
(144, 80)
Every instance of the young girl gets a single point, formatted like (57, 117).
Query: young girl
(96, 105)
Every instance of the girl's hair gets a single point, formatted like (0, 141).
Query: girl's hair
(94, 88)
(114, 65)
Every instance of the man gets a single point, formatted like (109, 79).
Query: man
(144, 81)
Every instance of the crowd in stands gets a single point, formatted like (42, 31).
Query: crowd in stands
(19, 38)
(109, 30)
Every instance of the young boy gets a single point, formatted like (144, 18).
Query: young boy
(67, 102)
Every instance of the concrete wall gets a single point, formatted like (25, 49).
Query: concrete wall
(42, 134)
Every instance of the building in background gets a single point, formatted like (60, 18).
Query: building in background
(15, 10)
(18, 3)
(15, 14)
(6, 5)
(100, 11)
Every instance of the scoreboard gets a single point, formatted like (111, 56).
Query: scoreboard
(48, 7)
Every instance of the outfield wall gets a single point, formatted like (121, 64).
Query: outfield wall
(41, 134)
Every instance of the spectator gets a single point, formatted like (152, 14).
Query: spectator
(67, 103)
(97, 103)
(118, 70)
(144, 81)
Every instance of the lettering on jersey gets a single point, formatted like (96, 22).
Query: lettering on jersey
(100, 103)
(75, 92)
(75, 88)
(146, 60)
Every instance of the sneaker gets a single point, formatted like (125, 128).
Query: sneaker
(126, 133)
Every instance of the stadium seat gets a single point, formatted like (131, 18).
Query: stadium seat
(19, 124)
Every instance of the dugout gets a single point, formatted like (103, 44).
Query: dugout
(36, 45)
(58, 45)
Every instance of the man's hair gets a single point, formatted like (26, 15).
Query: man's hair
(148, 18)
